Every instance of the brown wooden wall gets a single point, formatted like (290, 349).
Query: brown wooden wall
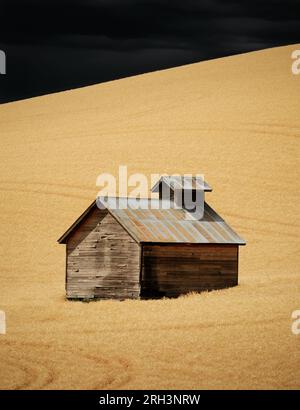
(172, 270)
(103, 261)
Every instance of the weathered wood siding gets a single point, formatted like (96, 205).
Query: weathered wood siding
(103, 261)
(172, 270)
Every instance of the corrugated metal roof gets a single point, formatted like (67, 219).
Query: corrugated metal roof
(148, 220)
(183, 182)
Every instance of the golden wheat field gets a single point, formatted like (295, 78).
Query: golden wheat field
(235, 119)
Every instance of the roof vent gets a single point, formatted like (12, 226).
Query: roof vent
(184, 191)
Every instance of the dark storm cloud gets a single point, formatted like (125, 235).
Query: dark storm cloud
(54, 45)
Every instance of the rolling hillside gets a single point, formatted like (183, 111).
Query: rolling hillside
(235, 119)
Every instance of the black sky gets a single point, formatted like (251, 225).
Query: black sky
(57, 45)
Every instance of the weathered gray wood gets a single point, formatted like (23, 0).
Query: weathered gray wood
(102, 260)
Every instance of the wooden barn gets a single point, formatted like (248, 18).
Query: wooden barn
(126, 251)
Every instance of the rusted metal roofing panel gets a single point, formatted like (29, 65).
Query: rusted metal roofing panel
(150, 220)
(183, 182)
